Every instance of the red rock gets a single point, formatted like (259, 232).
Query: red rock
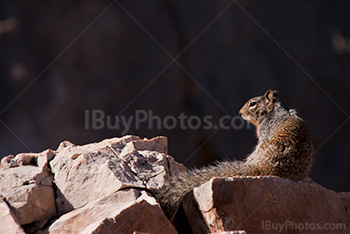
(108, 166)
(8, 222)
(231, 232)
(124, 211)
(259, 205)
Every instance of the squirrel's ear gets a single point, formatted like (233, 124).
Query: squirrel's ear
(271, 95)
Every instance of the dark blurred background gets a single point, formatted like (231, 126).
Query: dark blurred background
(60, 58)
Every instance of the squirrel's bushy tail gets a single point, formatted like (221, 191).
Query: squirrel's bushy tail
(173, 193)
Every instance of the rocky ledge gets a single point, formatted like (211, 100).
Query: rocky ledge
(108, 187)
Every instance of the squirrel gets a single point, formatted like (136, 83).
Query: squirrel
(284, 149)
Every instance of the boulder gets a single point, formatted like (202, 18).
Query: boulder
(231, 232)
(125, 211)
(266, 205)
(86, 173)
(26, 184)
(8, 222)
(108, 187)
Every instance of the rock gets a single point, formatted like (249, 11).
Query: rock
(26, 184)
(8, 221)
(125, 211)
(231, 232)
(40, 160)
(108, 166)
(266, 205)
(107, 187)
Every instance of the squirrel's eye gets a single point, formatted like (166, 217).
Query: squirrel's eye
(251, 104)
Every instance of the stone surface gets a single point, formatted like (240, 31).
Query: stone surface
(258, 205)
(86, 173)
(26, 184)
(231, 232)
(8, 221)
(124, 211)
(107, 187)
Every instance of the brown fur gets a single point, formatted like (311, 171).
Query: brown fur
(285, 149)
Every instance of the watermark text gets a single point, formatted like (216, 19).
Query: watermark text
(97, 119)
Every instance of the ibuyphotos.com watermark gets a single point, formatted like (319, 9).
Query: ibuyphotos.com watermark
(97, 119)
(301, 226)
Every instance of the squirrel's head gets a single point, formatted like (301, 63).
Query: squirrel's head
(257, 108)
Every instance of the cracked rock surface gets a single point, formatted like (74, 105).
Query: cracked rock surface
(103, 187)
(85, 173)
(26, 185)
(120, 212)
(108, 187)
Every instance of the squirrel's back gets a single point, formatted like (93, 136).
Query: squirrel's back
(288, 153)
